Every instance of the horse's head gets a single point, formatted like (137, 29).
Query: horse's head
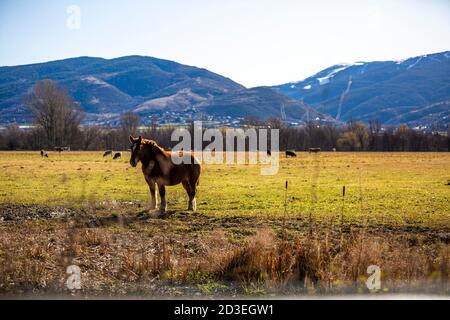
(135, 150)
(144, 150)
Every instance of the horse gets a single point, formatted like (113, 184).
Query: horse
(290, 154)
(107, 153)
(160, 170)
(314, 150)
(117, 155)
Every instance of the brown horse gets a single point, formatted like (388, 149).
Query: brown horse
(159, 170)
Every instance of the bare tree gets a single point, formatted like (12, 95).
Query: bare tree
(362, 134)
(252, 121)
(154, 125)
(55, 112)
(348, 141)
(275, 123)
(129, 123)
(92, 138)
(448, 137)
(402, 134)
(13, 137)
(374, 134)
(298, 138)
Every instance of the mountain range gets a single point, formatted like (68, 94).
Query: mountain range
(149, 86)
(415, 91)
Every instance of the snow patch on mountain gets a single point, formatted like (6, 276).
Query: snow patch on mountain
(95, 80)
(343, 97)
(415, 63)
(326, 79)
(94, 100)
(341, 67)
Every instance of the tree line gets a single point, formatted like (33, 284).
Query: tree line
(58, 123)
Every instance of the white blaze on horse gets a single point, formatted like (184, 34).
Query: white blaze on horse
(159, 170)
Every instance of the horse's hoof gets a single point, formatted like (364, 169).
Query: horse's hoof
(192, 205)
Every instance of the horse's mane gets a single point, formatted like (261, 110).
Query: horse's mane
(153, 144)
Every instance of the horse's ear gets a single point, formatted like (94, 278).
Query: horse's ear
(132, 140)
(139, 139)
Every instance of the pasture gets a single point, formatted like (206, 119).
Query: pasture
(80, 208)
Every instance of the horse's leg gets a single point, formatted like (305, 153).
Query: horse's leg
(193, 183)
(162, 194)
(193, 202)
(193, 191)
(188, 188)
(152, 187)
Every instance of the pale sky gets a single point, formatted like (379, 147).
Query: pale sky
(254, 42)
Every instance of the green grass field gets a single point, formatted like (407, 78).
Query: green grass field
(389, 188)
(78, 208)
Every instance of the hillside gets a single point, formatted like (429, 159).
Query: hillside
(415, 91)
(171, 91)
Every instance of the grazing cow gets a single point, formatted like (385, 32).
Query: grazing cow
(107, 153)
(160, 170)
(117, 155)
(334, 149)
(290, 153)
(59, 149)
(314, 150)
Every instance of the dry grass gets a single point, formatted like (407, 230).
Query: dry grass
(316, 264)
(264, 261)
(143, 263)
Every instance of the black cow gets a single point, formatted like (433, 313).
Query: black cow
(117, 155)
(107, 153)
(290, 153)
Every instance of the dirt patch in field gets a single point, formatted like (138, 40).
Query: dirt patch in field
(15, 212)
(182, 222)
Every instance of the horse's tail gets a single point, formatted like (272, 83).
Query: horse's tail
(198, 170)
